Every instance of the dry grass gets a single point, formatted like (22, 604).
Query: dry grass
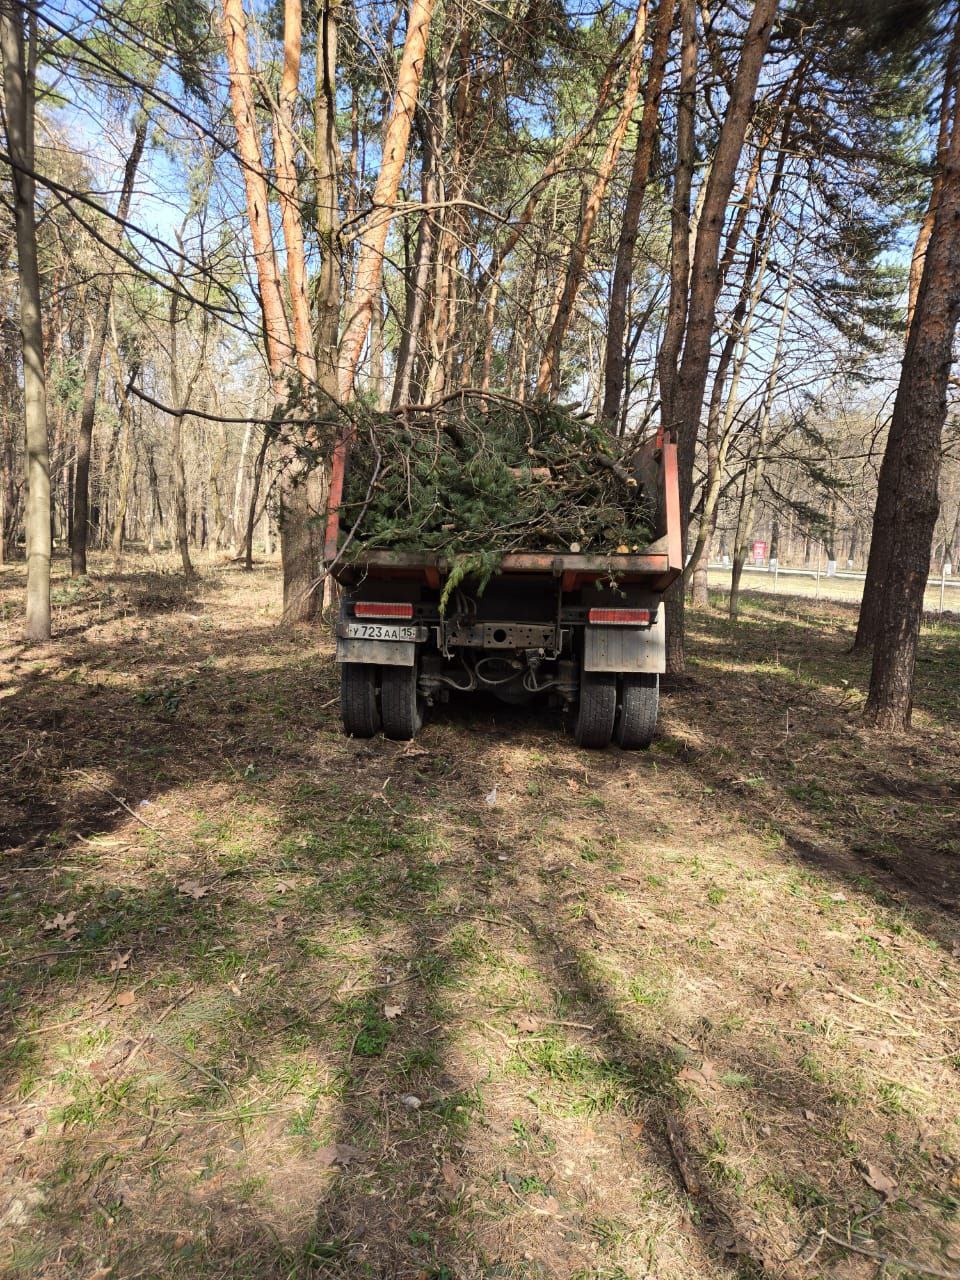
(301, 1006)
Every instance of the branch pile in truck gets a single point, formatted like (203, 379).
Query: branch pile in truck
(483, 476)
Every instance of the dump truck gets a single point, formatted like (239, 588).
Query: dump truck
(585, 632)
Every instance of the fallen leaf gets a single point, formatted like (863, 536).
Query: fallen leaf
(490, 799)
(237, 986)
(808, 1114)
(61, 923)
(120, 962)
(880, 1181)
(527, 1025)
(573, 784)
(703, 1075)
(125, 999)
(450, 1176)
(283, 886)
(411, 1102)
(551, 1204)
(392, 1011)
(340, 1153)
(193, 889)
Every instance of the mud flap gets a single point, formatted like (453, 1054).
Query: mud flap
(627, 650)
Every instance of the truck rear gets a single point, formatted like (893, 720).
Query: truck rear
(585, 632)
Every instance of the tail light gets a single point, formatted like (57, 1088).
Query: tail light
(620, 617)
(367, 609)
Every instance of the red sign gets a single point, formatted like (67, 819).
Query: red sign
(759, 552)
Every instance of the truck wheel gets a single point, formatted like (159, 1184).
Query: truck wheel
(358, 699)
(597, 710)
(638, 711)
(400, 703)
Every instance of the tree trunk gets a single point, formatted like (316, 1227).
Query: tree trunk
(299, 538)
(417, 287)
(124, 468)
(179, 399)
(719, 431)
(691, 382)
(238, 490)
(753, 475)
(914, 451)
(286, 181)
(373, 239)
(91, 377)
(326, 160)
(700, 586)
(284, 355)
(669, 355)
(881, 539)
(276, 332)
(9, 495)
(926, 226)
(548, 378)
(258, 466)
(616, 358)
(19, 81)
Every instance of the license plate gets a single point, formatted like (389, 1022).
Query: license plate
(379, 631)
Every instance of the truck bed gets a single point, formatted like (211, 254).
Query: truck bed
(657, 565)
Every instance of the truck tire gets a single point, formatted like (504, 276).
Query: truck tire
(597, 710)
(400, 703)
(358, 699)
(637, 722)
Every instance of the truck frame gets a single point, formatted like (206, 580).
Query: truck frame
(585, 631)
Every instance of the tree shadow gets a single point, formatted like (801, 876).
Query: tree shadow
(372, 883)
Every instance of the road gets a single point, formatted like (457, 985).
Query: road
(842, 586)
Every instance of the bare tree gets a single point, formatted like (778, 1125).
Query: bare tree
(19, 83)
(98, 335)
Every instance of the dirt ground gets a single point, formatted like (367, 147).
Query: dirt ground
(276, 1003)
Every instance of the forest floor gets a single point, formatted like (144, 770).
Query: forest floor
(275, 1003)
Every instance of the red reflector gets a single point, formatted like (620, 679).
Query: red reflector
(365, 609)
(619, 617)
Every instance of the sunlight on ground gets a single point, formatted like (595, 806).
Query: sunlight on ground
(277, 1003)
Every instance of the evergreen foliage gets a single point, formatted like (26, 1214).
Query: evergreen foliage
(482, 477)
